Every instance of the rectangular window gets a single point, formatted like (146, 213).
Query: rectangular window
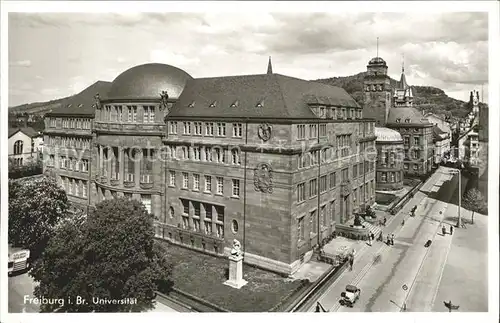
(355, 171)
(146, 201)
(84, 188)
(186, 128)
(300, 229)
(220, 185)
(172, 178)
(119, 113)
(406, 141)
(185, 180)
(196, 182)
(301, 131)
(333, 180)
(345, 174)
(221, 129)
(197, 128)
(312, 131)
(173, 127)
(209, 129)
(323, 218)
(196, 153)
(219, 224)
(237, 130)
(236, 187)
(416, 141)
(301, 192)
(313, 187)
(70, 188)
(208, 154)
(313, 221)
(208, 218)
(322, 130)
(218, 155)
(323, 184)
(235, 154)
(208, 183)
(332, 212)
(185, 207)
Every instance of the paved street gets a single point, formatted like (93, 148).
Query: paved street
(19, 286)
(408, 262)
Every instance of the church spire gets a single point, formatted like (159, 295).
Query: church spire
(269, 67)
(403, 63)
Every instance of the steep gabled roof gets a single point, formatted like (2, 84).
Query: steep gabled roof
(82, 103)
(30, 132)
(258, 96)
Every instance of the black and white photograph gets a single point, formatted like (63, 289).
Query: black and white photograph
(253, 157)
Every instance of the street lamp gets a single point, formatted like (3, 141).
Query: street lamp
(459, 172)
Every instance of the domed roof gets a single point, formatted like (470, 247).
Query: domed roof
(386, 134)
(377, 60)
(148, 81)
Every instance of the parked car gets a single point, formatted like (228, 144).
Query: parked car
(18, 260)
(350, 296)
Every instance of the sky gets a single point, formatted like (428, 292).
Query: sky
(53, 55)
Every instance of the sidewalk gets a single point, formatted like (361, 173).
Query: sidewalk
(365, 257)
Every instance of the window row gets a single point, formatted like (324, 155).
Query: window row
(338, 113)
(205, 154)
(69, 142)
(389, 177)
(128, 114)
(70, 163)
(416, 141)
(415, 167)
(327, 217)
(74, 186)
(70, 123)
(195, 213)
(196, 183)
(206, 129)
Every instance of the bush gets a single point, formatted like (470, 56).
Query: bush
(31, 168)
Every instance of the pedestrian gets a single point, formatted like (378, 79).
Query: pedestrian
(351, 262)
(403, 222)
(372, 235)
(392, 239)
(385, 220)
(443, 229)
(369, 240)
(451, 229)
(388, 240)
(381, 236)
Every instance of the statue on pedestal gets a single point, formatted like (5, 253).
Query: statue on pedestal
(236, 250)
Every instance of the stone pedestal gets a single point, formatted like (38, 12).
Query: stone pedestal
(236, 272)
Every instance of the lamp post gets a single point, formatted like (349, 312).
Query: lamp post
(459, 172)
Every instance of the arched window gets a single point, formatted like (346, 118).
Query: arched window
(171, 212)
(18, 147)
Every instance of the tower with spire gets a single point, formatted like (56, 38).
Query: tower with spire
(269, 66)
(377, 90)
(403, 94)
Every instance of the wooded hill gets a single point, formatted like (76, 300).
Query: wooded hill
(428, 98)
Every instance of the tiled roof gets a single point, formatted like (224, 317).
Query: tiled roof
(30, 132)
(256, 96)
(403, 114)
(81, 103)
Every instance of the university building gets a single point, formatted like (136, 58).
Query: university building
(393, 108)
(270, 160)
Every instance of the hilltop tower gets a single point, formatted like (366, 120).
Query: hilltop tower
(474, 102)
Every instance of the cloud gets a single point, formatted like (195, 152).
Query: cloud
(24, 63)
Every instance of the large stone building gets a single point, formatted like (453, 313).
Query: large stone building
(393, 108)
(270, 160)
(390, 156)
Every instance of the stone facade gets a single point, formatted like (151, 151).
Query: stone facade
(390, 156)
(277, 184)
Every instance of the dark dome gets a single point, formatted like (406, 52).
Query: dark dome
(148, 81)
(377, 60)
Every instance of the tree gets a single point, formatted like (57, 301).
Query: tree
(474, 201)
(111, 256)
(35, 208)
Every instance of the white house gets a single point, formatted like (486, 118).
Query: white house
(24, 144)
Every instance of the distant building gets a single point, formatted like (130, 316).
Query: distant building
(397, 113)
(442, 146)
(24, 144)
(468, 139)
(390, 155)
